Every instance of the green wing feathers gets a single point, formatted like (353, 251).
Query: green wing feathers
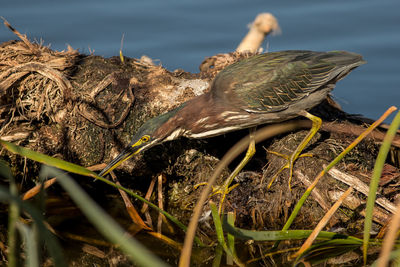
(271, 82)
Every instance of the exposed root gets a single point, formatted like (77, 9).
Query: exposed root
(82, 108)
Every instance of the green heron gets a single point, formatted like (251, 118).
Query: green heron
(266, 88)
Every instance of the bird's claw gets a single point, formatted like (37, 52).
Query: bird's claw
(289, 165)
(223, 190)
(217, 189)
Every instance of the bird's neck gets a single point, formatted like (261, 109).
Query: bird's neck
(182, 118)
(204, 116)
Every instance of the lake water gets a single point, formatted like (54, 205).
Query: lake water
(180, 34)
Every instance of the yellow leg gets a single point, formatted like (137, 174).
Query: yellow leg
(225, 189)
(316, 124)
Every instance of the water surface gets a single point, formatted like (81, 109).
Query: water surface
(180, 34)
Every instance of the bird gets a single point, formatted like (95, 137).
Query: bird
(262, 89)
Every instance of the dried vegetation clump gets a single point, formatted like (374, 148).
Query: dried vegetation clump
(66, 104)
(33, 85)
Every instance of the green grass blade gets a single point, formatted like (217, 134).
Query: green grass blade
(58, 163)
(13, 216)
(380, 161)
(51, 242)
(220, 233)
(280, 235)
(73, 168)
(394, 256)
(218, 256)
(231, 238)
(31, 245)
(5, 171)
(322, 251)
(333, 244)
(217, 224)
(103, 222)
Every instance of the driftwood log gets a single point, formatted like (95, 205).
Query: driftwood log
(85, 108)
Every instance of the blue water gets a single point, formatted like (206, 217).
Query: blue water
(180, 34)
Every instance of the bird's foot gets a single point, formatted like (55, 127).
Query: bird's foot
(226, 188)
(316, 124)
(217, 189)
(290, 160)
(223, 190)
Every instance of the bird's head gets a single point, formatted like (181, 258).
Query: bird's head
(151, 133)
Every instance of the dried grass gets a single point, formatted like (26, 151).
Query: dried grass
(33, 82)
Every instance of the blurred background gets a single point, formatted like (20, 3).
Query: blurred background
(180, 34)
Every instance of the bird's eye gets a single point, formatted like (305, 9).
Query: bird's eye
(145, 138)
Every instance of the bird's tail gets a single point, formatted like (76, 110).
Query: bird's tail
(345, 62)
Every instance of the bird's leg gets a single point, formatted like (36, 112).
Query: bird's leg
(225, 189)
(316, 124)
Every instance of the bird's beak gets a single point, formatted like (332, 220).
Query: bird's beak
(124, 155)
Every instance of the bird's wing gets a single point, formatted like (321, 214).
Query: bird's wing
(271, 83)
